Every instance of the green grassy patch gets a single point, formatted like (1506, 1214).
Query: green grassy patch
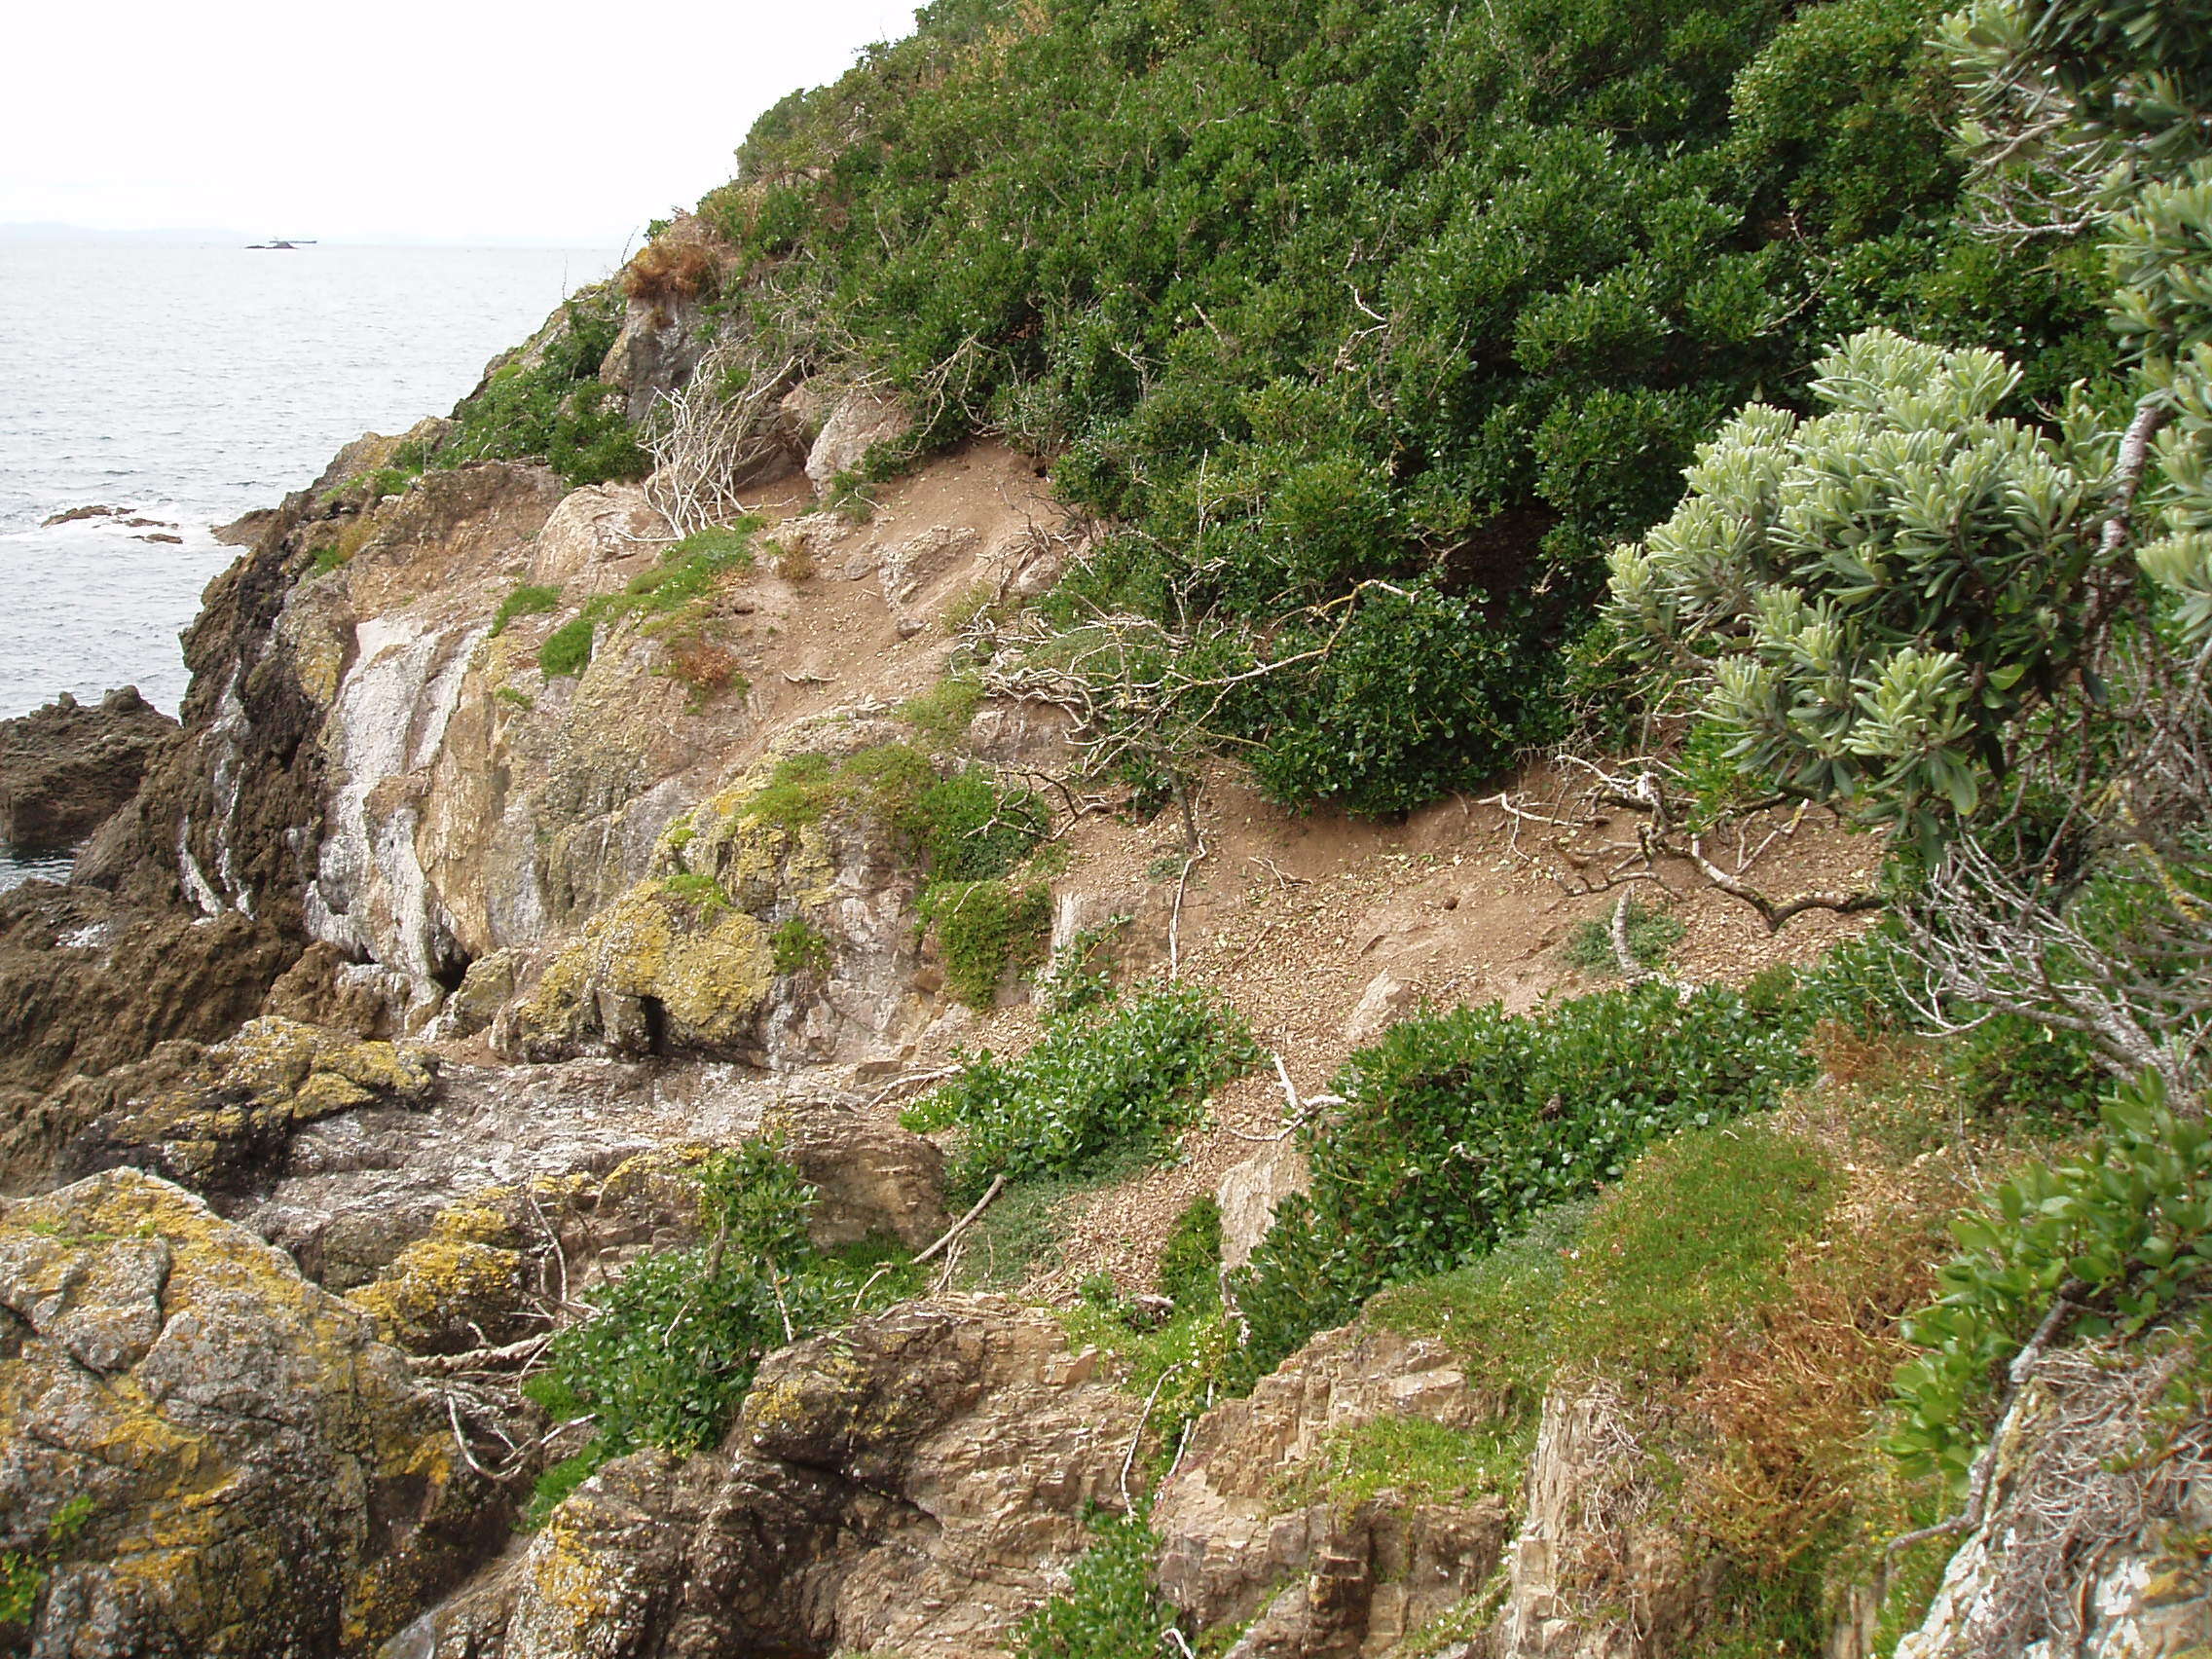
(1422, 1461)
(984, 927)
(527, 600)
(1653, 932)
(567, 648)
(1694, 1243)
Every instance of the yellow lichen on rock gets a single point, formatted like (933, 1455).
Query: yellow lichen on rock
(443, 1294)
(651, 971)
(255, 1461)
(246, 1097)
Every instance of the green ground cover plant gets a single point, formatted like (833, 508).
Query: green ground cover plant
(1124, 1080)
(1458, 1127)
(984, 927)
(797, 946)
(671, 597)
(1653, 932)
(1112, 1608)
(669, 1348)
(528, 599)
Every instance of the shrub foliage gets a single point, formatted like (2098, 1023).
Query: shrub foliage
(1458, 1127)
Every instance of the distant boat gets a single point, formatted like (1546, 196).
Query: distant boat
(279, 241)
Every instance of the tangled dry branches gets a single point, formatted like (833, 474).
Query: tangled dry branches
(1572, 835)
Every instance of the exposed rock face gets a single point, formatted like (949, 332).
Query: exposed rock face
(1251, 1194)
(225, 1124)
(591, 1153)
(855, 426)
(87, 983)
(1320, 1579)
(908, 1486)
(66, 768)
(1588, 1577)
(682, 962)
(262, 1476)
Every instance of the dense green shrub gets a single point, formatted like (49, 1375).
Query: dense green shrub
(1127, 1079)
(554, 409)
(2011, 1067)
(1457, 1127)
(983, 928)
(1190, 1261)
(1336, 292)
(2124, 1227)
(671, 1347)
(1112, 1608)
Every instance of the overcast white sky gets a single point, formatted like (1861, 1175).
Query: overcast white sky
(450, 120)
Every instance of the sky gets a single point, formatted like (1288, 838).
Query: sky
(521, 121)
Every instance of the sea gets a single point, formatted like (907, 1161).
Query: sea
(187, 383)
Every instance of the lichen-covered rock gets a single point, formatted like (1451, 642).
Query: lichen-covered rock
(682, 963)
(655, 973)
(459, 1286)
(221, 1126)
(238, 1467)
(1245, 1536)
(911, 1485)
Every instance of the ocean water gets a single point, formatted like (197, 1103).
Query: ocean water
(192, 383)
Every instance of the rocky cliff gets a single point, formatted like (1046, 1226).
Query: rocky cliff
(520, 855)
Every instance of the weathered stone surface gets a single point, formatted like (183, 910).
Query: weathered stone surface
(1252, 1191)
(869, 1175)
(221, 1129)
(1386, 1000)
(65, 767)
(1585, 1570)
(859, 421)
(682, 963)
(262, 1476)
(1323, 1581)
(88, 984)
(911, 1486)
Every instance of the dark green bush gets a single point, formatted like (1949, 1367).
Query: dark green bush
(2010, 1066)
(1126, 1080)
(555, 409)
(1346, 291)
(1190, 1262)
(671, 1347)
(1460, 1127)
(2126, 1224)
